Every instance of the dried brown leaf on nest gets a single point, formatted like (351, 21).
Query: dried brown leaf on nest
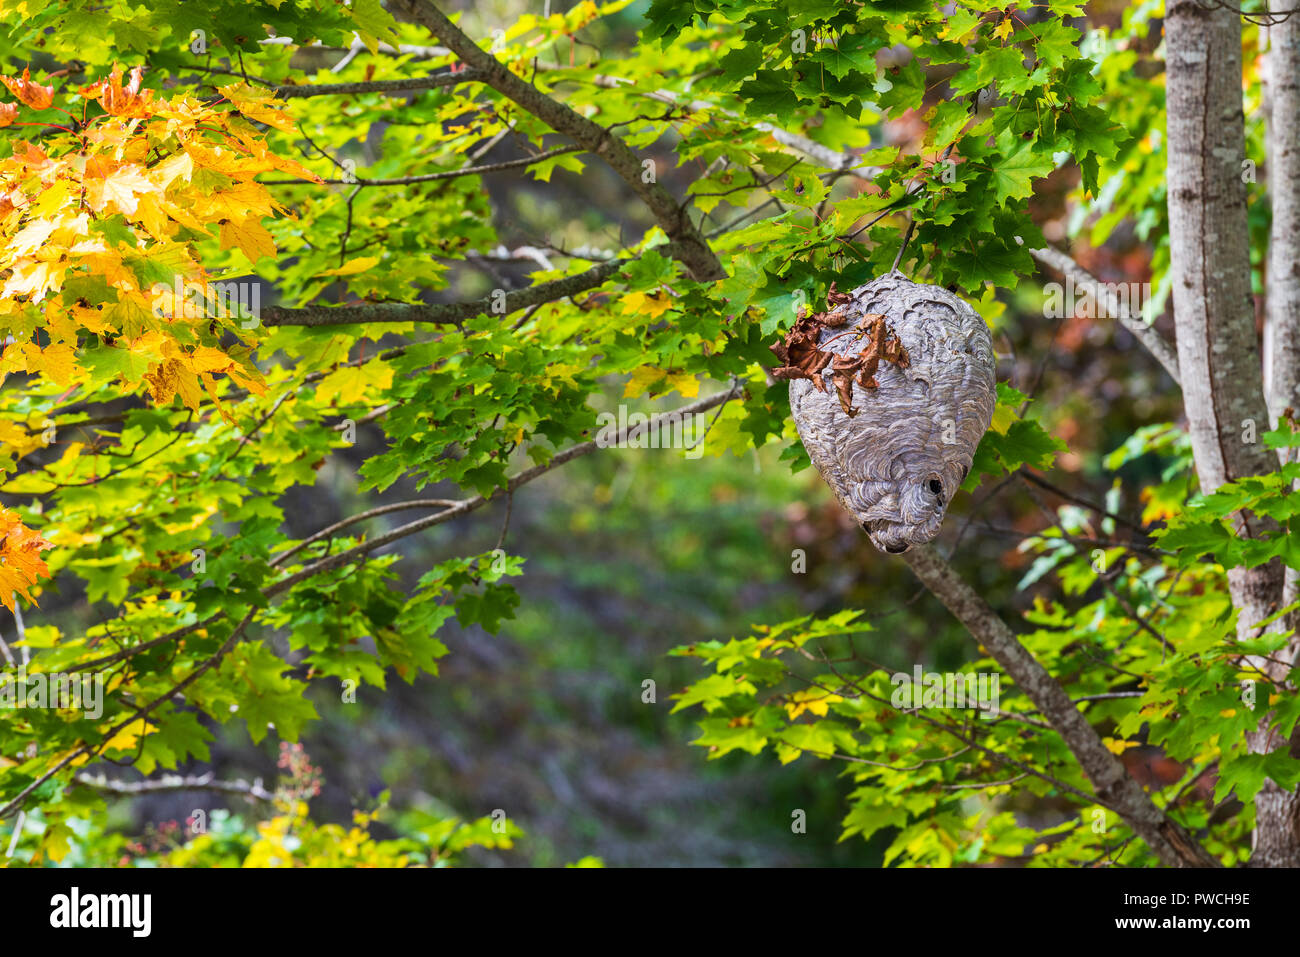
(803, 357)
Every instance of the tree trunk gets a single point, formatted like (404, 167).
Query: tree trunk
(1282, 317)
(1277, 812)
(1218, 357)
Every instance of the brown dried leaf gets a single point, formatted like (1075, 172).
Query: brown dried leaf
(844, 386)
(803, 357)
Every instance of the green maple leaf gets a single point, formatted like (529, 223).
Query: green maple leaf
(902, 88)
(1054, 42)
(741, 62)
(947, 121)
(265, 696)
(991, 260)
(1091, 132)
(853, 53)
(1026, 443)
(374, 23)
(1019, 166)
(769, 93)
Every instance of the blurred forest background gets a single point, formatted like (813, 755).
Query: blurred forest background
(632, 552)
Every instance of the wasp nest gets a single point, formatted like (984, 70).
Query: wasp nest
(910, 394)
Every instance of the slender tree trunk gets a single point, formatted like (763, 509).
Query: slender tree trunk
(1218, 357)
(1282, 317)
(1277, 831)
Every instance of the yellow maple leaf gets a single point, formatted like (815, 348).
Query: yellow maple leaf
(685, 383)
(107, 182)
(151, 215)
(206, 359)
(259, 105)
(1003, 418)
(250, 236)
(58, 361)
(31, 237)
(129, 736)
(177, 166)
(36, 277)
(642, 380)
(352, 266)
(817, 702)
(129, 315)
(639, 303)
(71, 452)
(55, 842)
(52, 199)
(236, 202)
(18, 439)
(348, 385)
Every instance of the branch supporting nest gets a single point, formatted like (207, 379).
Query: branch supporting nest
(1113, 786)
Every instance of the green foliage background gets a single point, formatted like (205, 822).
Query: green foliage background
(523, 669)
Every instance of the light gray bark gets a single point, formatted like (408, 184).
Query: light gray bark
(1210, 260)
(1277, 812)
(1282, 289)
(1218, 356)
(1282, 316)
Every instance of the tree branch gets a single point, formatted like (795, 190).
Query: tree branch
(414, 51)
(454, 510)
(831, 159)
(1114, 786)
(1155, 343)
(1161, 350)
(431, 177)
(444, 503)
(449, 313)
(468, 505)
(174, 782)
(139, 713)
(692, 249)
(408, 85)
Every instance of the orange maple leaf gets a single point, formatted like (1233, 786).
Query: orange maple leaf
(49, 197)
(117, 99)
(20, 559)
(33, 94)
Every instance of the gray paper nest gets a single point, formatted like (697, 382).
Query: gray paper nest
(888, 462)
